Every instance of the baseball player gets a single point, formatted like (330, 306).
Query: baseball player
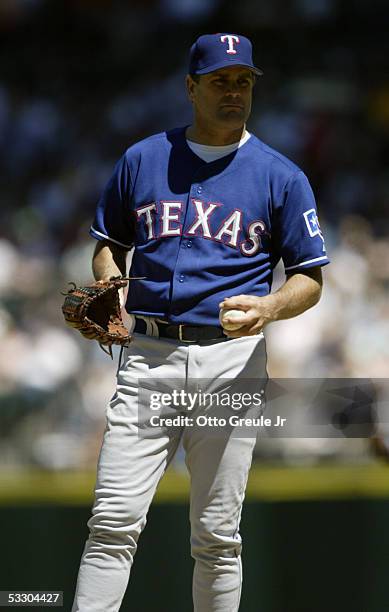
(208, 210)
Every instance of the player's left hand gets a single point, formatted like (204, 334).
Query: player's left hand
(258, 313)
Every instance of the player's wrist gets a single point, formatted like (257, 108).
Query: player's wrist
(269, 309)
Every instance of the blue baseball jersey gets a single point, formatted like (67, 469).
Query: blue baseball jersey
(205, 231)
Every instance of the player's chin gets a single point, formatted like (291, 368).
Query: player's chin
(232, 114)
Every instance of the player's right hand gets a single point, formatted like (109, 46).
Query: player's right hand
(258, 313)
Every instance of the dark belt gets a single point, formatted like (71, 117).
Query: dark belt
(184, 333)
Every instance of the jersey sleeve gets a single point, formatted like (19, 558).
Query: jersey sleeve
(114, 219)
(301, 239)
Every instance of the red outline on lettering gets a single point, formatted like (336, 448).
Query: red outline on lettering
(264, 232)
(153, 222)
(233, 37)
(162, 202)
(239, 230)
(216, 204)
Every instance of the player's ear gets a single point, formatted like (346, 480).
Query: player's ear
(190, 85)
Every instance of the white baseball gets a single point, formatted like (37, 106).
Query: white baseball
(239, 315)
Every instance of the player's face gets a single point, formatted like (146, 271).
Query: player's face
(223, 97)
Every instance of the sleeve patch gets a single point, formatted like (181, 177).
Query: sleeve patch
(312, 223)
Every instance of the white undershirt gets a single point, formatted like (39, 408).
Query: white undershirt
(210, 153)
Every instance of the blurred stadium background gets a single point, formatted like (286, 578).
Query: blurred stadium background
(81, 80)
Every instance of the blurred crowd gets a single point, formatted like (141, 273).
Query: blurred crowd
(81, 81)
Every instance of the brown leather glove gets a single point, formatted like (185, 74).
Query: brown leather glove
(95, 311)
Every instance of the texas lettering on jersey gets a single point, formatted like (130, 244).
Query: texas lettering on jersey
(165, 219)
(203, 230)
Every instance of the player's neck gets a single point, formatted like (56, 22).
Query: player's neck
(214, 137)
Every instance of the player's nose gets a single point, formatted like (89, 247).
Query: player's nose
(233, 98)
(233, 95)
(232, 88)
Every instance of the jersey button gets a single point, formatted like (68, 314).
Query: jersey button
(199, 189)
(189, 244)
(181, 278)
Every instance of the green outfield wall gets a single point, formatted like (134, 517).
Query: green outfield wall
(299, 555)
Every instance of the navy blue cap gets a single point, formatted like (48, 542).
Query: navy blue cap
(213, 51)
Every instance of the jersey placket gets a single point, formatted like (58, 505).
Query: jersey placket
(181, 272)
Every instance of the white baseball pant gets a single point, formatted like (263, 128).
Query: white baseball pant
(130, 467)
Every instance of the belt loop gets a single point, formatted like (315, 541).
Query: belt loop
(154, 327)
(151, 325)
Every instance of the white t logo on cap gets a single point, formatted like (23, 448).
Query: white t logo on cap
(230, 38)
